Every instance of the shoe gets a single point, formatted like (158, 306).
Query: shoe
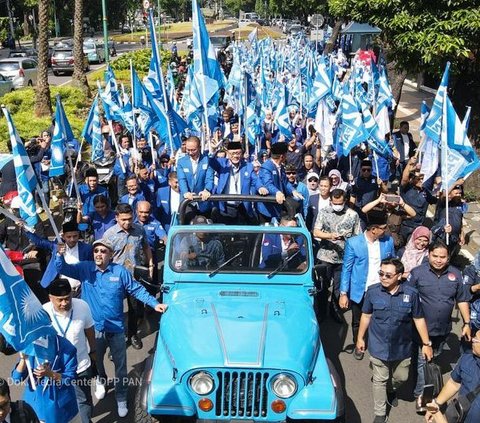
(122, 408)
(100, 390)
(136, 342)
(349, 348)
(392, 399)
(358, 355)
(419, 407)
(380, 419)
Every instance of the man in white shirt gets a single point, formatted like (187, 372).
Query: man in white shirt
(72, 319)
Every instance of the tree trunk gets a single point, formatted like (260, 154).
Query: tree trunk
(79, 78)
(397, 78)
(331, 43)
(43, 104)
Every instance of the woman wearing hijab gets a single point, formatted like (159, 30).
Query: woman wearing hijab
(416, 249)
(337, 181)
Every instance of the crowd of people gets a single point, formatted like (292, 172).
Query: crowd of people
(373, 243)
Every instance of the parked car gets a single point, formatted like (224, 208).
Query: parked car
(62, 60)
(22, 71)
(94, 51)
(240, 340)
(24, 52)
(296, 29)
(6, 85)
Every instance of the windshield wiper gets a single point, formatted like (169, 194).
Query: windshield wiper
(282, 265)
(225, 263)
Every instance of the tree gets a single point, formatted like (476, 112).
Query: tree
(43, 104)
(422, 35)
(79, 77)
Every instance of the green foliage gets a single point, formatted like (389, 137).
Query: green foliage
(140, 60)
(21, 105)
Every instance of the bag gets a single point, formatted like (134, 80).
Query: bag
(457, 410)
(433, 376)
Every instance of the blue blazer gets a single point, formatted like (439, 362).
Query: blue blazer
(85, 253)
(272, 252)
(188, 182)
(163, 213)
(273, 180)
(139, 196)
(247, 179)
(355, 264)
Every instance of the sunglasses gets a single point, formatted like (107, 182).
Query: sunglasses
(100, 250)
(290, 173)
(313, 180)
(386, 275)
(366, 169)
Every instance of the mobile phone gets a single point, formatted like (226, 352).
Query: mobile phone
(427, 396)
(391, 198)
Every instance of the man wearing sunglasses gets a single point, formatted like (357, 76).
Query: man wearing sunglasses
(389, 308)
(104, 287)
(365, 188)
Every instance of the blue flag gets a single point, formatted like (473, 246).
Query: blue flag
(93, 133)
(62, 135)
(22, 317)
(433, 124)
(375, 139)
(351, 132)
(26, 179)
(87, 130)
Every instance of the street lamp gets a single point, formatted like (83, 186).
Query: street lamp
(105, 31)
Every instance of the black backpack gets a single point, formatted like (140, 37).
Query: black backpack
(433, 376)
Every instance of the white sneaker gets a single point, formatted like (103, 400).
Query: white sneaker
(122, 408)
(99, 390)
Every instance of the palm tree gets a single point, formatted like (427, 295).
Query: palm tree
(79, 77)
(43, 103)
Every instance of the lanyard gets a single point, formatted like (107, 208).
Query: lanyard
(64, 332)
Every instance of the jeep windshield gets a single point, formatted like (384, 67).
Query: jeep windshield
(272, 251)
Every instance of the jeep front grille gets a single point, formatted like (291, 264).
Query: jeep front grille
(242, 394)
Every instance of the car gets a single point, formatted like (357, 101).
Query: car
(22, 71)
(220, 42)
(24, 52)
(94, 51)
(296, 29)
(240, 340)
(6, 85)
(62, 60)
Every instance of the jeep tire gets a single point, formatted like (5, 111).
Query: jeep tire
(141, 415)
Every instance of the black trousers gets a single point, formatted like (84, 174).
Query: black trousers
(356, 315)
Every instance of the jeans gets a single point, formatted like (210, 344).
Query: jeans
(116, 342)
(438, 344)
(387, 376)
(83, 392)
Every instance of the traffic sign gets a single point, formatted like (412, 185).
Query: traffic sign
(317, 20)
(146, 4)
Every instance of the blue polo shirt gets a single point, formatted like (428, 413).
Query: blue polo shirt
(438, 294)
(390, 332)
(87, 197)
(467, 373)
(101, 224)
(105, 291)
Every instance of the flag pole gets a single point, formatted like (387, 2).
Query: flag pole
(74, 178)
(74, 170)
(444, 136)
(16, 219)
(30, 372)
(132, 89)
(49, 214)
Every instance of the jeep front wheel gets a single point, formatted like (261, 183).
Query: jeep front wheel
(141, 415)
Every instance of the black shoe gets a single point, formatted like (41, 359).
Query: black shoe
(358, 355)
(419, 407)
(392, 399)
(136, 342)
(380, 419)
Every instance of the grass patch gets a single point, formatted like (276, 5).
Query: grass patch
(263, 32)
(21, 104)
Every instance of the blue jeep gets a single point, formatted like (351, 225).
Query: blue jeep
(240, 339)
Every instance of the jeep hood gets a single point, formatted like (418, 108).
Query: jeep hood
(258, 327)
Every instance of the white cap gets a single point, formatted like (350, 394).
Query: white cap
(16, 202)
(314, 174)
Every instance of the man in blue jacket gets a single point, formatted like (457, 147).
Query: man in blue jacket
(235, 176)
(104, 287)
(76, 251)
(272, 180)
(195, 176)
(361, 263)
(167, 201)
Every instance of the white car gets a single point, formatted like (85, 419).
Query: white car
(6, 86)
(22, 71)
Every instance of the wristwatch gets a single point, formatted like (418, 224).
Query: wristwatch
(428, 344)
(466, 323)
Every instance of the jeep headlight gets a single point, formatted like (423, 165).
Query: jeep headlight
(201, 383)
(284, 386)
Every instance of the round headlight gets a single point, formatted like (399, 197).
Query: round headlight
(284, 386)
(201, 383)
